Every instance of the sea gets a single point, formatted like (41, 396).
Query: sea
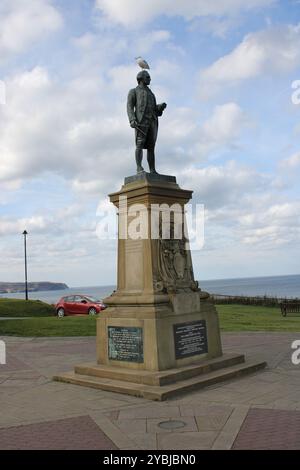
(271, 286)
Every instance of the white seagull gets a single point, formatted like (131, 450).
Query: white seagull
(142, 63)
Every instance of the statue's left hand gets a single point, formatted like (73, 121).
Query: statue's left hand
(161, 107)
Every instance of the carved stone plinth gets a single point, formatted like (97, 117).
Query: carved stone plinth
(156, 290)
(160, 330)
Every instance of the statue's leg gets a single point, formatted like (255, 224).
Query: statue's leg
(151, 144)
(138, 159)
(139, 151)
(151, 160)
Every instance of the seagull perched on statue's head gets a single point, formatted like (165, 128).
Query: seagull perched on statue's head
(142, 63)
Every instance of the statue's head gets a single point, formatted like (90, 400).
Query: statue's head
(143, 77)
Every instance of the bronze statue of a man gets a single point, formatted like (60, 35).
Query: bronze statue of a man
(143, 115)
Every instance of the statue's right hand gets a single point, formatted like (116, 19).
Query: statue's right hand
(133, 124)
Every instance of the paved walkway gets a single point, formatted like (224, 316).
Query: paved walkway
(243, 413)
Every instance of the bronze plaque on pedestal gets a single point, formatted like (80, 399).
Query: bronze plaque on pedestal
(190, 339)
(125, 344)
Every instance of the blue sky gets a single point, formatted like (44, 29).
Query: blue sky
(230, 132)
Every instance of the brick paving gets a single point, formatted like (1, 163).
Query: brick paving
(258, 410)
(67, 348)
(79, 433)
(12, 364)
(265, 429)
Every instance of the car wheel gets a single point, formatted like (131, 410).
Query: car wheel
(92, 311)
(60, 312)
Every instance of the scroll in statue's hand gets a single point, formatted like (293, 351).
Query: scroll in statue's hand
(161, 107)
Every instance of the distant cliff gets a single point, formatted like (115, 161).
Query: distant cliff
(13, 287)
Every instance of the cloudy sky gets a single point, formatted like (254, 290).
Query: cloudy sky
(231, 131)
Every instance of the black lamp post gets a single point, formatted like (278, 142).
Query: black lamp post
(25, 253)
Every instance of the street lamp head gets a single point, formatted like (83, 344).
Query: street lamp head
(25, 233)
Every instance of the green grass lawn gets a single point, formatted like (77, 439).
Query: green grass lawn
(25, 308)
(232, 318)
(51, 326)
(252, 318)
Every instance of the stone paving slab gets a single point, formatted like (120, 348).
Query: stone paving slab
(73, 434)
(13, 363)
(265, 429)
(65, 348)
(228, 433)
(144, 441)
(213, 416)
(187, 440)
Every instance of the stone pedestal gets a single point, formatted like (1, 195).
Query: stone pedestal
(160, 333)
(156, 294)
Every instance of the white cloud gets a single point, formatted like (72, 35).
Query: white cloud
(135, 14)
(219, 132)
(67, 129)
(9, 226)
(66, 219)
(291, 162)
(86, 41)
(147, 41)
(73, 127)
(22, 23)
(65, 241)
(217, 26)
(225, 123)
(243, 208)
(276, 49)
(180, 125)
(7, 189)
(78, 128)
(123, 77)
(277, 224)
(223, 185)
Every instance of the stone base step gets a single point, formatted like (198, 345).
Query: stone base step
(159, 378)
(156, 392)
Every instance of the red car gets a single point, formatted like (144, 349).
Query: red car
(78, 305)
